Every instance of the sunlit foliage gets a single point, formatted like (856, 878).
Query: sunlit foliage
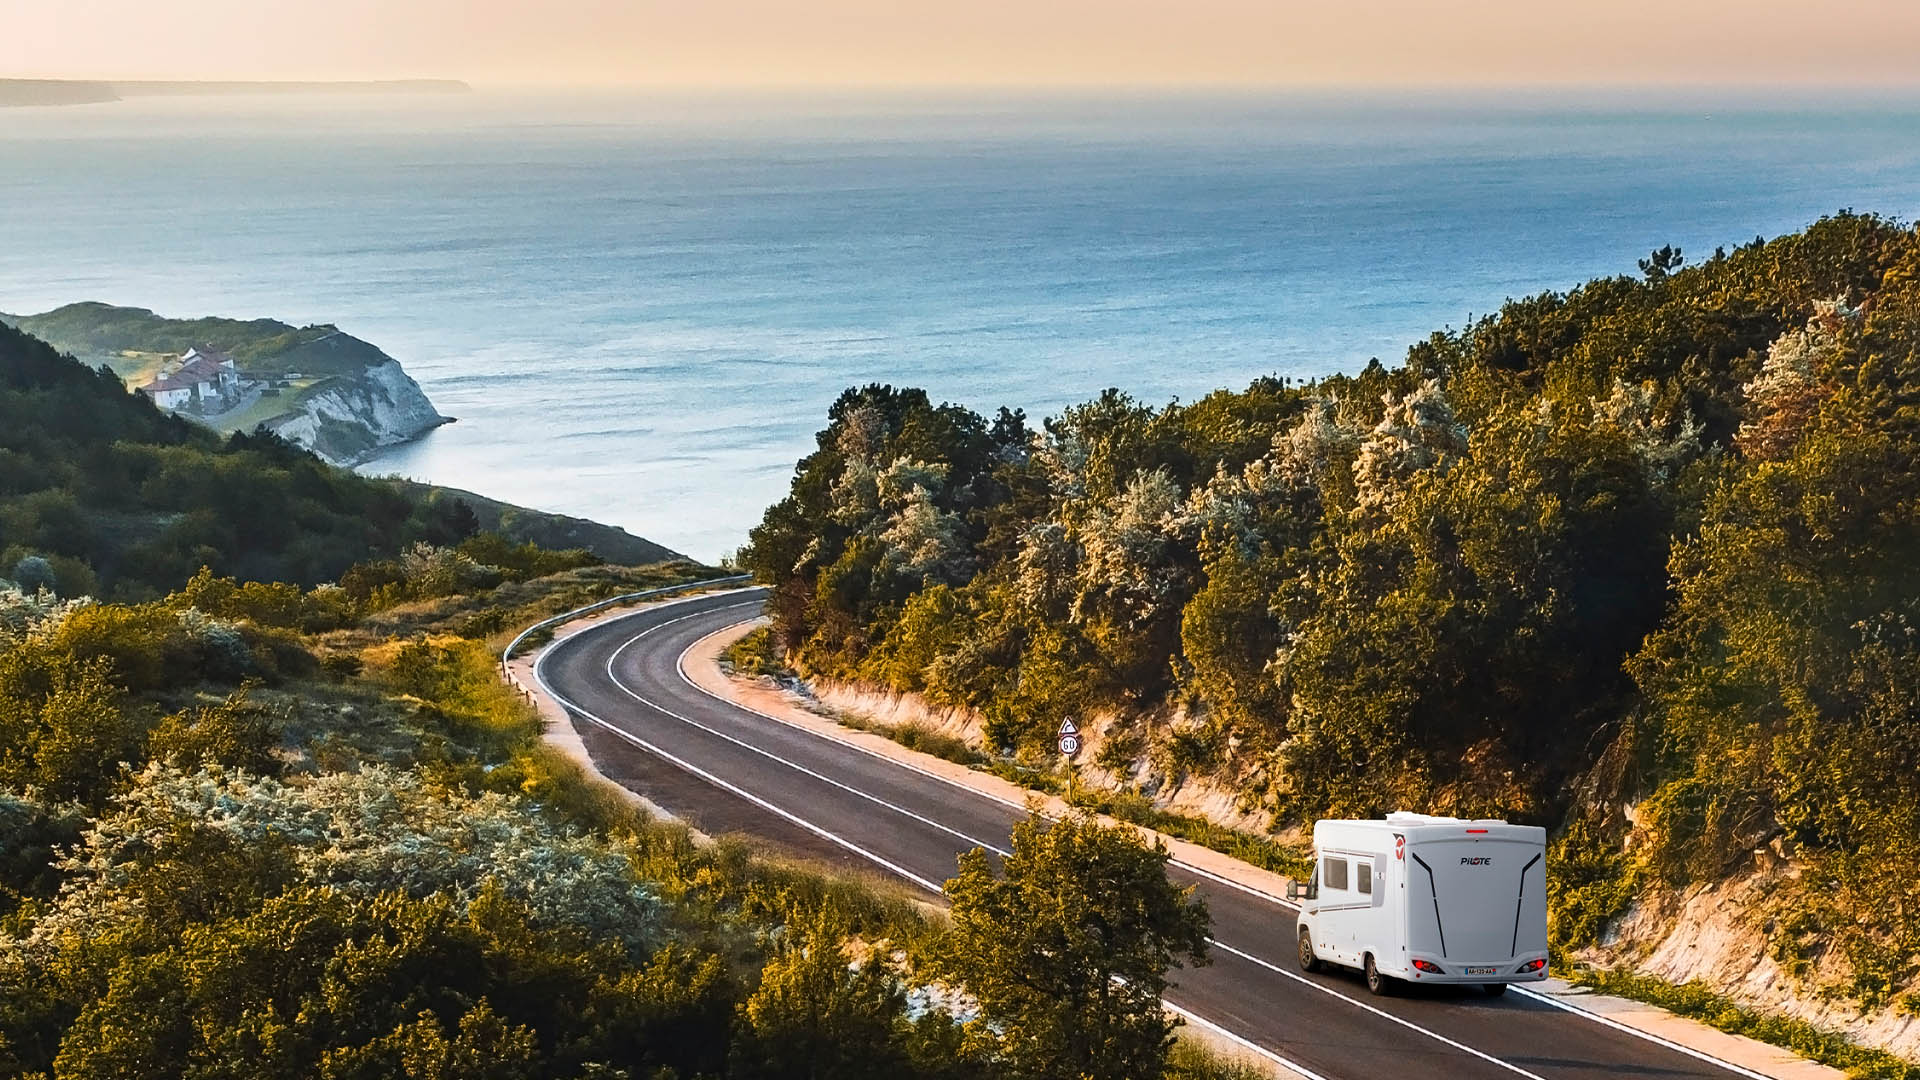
(1651, 540)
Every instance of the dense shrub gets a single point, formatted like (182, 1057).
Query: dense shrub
(111, 492)
(1649, 541)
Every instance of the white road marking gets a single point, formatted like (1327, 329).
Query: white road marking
(1377, 1011)
(1607, 1021)
(1604, 1021)
(680, 669)
(1241, 1041)
(777, 759)
(540, 677)
(680, 666)
(925, 883)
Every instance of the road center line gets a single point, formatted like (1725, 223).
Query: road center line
(539, 676)
(680, 665)
(680, 668)
(769, 755)
(1586, 1014)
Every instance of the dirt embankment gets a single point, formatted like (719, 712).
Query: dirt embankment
(1718, 935)
(1172, 789)
(879, 708)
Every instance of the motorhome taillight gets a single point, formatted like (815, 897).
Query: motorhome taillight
(1429, 968)
(1532, 966)
(1476, 830)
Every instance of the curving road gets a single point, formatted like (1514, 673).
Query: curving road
(722, 765)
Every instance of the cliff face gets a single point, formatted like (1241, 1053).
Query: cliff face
(349, 418)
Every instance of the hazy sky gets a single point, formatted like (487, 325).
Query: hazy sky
(1019, 42)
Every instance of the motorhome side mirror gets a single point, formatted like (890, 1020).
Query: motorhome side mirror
(1296, 891)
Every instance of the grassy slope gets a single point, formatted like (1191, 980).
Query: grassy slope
(553, 531)
(99, 333)
(128, 495)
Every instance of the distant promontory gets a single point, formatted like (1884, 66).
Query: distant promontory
(55, 92)
(315, 386)
(91, 92)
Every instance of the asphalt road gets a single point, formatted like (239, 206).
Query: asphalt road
(729, 769)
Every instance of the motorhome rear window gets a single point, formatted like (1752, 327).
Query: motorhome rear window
(1363, 878)
(1333, 873)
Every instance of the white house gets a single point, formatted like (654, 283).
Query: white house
(204, 377)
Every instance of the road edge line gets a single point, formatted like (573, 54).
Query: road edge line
(1586, 1014)
(540, 656)
(539, 677)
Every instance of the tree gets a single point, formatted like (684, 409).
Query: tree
(1662, 262)
(34, 574)
(32, 830)
(1785, 691)
(448, 521)
(820, 1014)
(1067, 950)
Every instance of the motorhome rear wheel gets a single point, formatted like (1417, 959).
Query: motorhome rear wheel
(1378, 984)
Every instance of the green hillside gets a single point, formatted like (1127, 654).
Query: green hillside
(123, 500)
(251, 829)
(328, 391)
(1636, 561)
(97, 333)
(548, 530)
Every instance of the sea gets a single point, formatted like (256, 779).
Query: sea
(640, 305)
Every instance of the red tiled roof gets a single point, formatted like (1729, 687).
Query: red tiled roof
(202, 365)
(208, 352)
(202, 368)
(165, 382)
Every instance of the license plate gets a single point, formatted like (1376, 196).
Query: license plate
(1483, 971)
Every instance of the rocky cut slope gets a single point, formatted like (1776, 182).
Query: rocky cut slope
(316, 386)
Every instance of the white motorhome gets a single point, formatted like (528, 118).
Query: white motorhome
(1423, 899)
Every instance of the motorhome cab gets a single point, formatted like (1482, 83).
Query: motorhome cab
(1426, 900)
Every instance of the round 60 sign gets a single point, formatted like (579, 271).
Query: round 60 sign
(1069, 738)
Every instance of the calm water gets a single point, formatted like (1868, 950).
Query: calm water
(640, 309)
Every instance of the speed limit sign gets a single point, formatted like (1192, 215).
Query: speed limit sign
(1069, 738)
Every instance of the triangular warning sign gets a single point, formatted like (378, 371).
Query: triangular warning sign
(1067, 728)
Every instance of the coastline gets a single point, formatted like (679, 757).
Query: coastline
(47, 93)
(380, 451)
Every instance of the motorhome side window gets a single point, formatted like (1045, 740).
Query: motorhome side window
(1363, 878)
(1333, 873)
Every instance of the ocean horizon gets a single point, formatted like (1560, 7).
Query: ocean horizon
(640, 306)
